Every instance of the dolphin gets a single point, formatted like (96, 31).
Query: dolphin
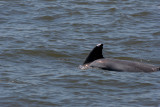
(95, 59)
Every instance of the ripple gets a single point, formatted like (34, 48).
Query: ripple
(156, 33)
(133, 42)
(45, 53)
(3, 20)
(112, 9)
(82, 2)
(141, 14)
(42, 53)
(34, 102)
(47, 18)
(109, 82)
(107, 2)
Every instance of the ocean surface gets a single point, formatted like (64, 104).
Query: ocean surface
(42, 43)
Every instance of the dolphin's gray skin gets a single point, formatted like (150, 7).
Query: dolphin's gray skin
(96, 60)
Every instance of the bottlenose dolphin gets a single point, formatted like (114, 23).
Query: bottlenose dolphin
(95, 59)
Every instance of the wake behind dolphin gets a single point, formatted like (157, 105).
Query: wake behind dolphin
(95, 59)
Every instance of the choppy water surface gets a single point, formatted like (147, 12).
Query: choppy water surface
(42, 43)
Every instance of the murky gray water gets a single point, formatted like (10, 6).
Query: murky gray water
(42, 43)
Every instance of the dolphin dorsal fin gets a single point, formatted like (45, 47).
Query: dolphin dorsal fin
(95, 54)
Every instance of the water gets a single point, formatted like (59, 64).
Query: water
(42, 43)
